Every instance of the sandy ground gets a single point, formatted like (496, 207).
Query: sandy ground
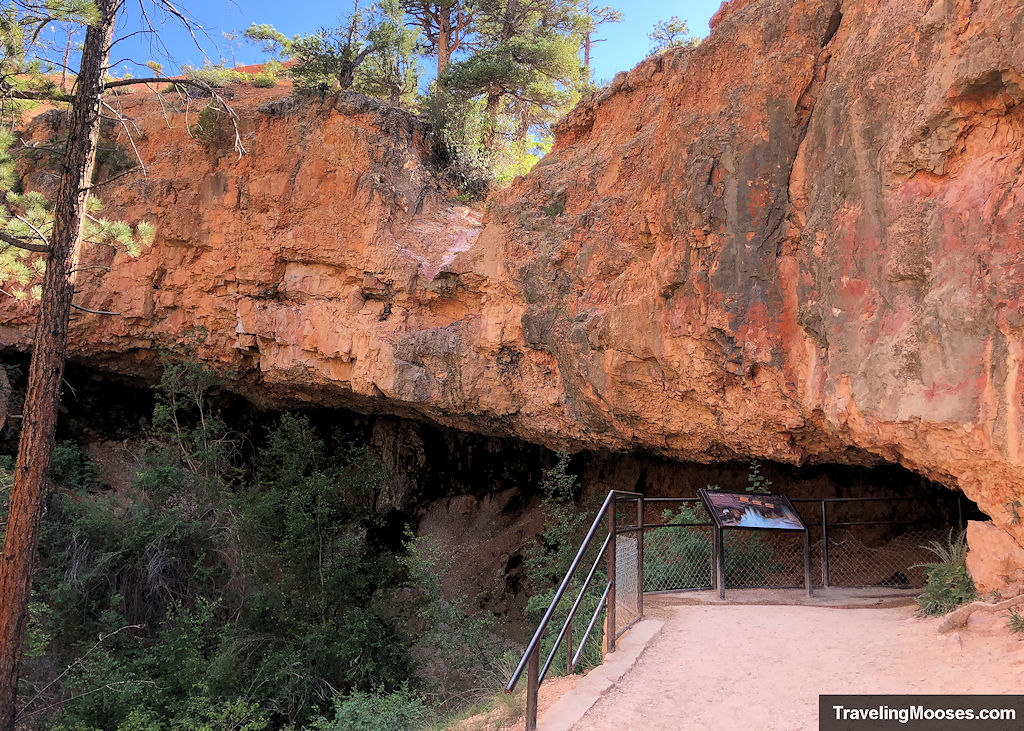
(763, 667)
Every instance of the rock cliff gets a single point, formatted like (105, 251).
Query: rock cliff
(802, 240)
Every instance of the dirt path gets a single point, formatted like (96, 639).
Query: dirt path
(762, 667)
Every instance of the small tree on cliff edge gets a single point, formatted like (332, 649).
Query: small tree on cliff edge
(31, 225)
(371, 50)
(671, 33)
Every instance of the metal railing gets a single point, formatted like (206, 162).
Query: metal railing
(609, 601)
(678, 553)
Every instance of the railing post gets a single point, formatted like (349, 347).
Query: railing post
(825, 578)
(640, 555)
(569, 666)
(714, 558)
(609, 615)
(720, 561)
(808, 578)
(532, 686)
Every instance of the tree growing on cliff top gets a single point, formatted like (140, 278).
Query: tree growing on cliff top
(592, 17)
(371, 50)
(394, 73)
(671, 33)
(40, 237)
(492, 109)
(524, 64)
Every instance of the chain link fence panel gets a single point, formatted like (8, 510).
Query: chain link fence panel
(876, 558)
(626, 575)
(677, 558)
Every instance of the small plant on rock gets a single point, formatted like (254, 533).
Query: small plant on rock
(756, 482)
(948, 583)
(1013, 510)
(1015, 622)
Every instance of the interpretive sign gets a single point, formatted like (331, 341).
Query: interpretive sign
(751, 510)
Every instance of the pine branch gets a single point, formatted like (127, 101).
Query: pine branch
(21, 244)
(35, 230)
(111, 179)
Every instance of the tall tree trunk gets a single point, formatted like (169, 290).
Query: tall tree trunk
(46, 370)
(443, 51)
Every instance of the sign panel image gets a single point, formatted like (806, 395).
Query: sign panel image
(751, 510)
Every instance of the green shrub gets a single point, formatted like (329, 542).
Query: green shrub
(948, 584)
(114, 158)
(212, 127)
(71, 468)
(376, 711)
(451, 647)
(458, 148)
(216, 76)
(555, 208)
(547, 560)
(756, 482)
(264, 80)
(677, 558)
(207, 596)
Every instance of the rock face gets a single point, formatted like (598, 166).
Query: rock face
(802, 240)
(995, 561)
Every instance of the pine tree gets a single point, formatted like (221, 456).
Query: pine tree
(446, 25)
(671, 33)
(393, 71)
(46, 369)
(591, 19)
(40, 244)
(525, 65)
(371, 50)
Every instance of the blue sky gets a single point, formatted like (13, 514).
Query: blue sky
(627, 41)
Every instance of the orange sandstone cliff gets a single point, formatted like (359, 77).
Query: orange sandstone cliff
(802, 240)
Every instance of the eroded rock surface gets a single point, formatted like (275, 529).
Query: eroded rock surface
(995, 561)
(801, 241)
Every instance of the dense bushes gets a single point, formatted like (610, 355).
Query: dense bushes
(218, 76)
(465, 149)
(214, 594)
(381, 711)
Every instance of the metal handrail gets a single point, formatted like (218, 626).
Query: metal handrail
(575, 606)
(535, 641)
(531, 657)
(590, 627)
